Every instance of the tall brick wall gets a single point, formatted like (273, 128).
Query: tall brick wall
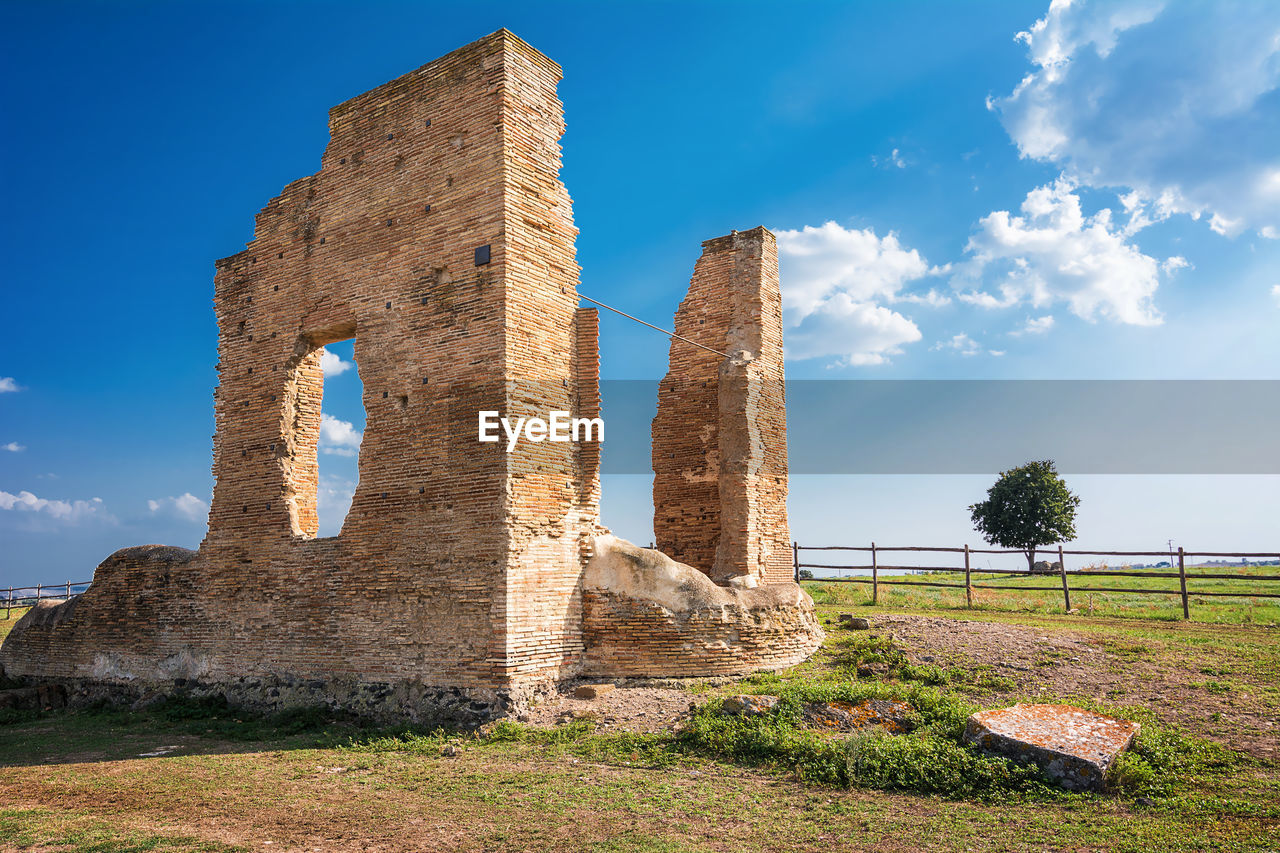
(719, 438)
(437, 233)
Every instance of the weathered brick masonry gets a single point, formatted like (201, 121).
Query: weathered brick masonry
(437, 233)
(720, 436)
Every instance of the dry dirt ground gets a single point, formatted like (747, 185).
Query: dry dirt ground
(1064, 664)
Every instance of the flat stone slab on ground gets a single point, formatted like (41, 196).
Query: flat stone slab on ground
(1074, 747)
(893, 716)
(749, 706)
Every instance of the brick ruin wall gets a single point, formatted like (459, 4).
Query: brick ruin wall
(720, 435)
(437, 233)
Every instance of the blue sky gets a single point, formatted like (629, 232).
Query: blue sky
(979, 190)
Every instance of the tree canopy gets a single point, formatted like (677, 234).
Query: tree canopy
(1027, 507)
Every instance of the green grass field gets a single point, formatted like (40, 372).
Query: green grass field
(1242, 610)
(195, 777)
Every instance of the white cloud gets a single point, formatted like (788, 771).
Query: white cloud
(893, 161)
(961, 343)
(332, 364)
(933, 298)
(68, 511)
(333, 500)
(1053, 253)
(338, 437)
(851, 333)
(1177, 103)
(834, 280)
(1275, 293)
(186, 506)
(7, 383)
(13, 447)
(1035, 326)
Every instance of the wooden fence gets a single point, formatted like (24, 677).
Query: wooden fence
(27, 596)
(876, 568)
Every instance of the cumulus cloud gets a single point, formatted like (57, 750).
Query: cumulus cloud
(1190, 130)
(332, 364)
(1035, 326)
(1275, 293)
(961, 343)
(7, 383)
(851, 333)
(1053, 253)
(835, 282)
(68, 511)
(186, 506)
(13, 447)
(338, 437)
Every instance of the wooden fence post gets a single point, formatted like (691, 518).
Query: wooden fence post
(875, 576)
(968, 584)
(38, 593)
(1066, 592)
(795, 558)
(68, 590)
(1182, 579)
(8, 607)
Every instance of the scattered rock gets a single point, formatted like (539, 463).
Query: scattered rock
(449, 750)
(868, 670)
(890, 715)
(42, 698)
(749, 706)
(592, 691)
(857, 623)
(149, 701)
(1041, 567)
(1075, 748)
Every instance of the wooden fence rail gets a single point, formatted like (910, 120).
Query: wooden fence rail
(28, 596)
(877, 568)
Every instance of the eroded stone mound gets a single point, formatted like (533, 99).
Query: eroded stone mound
(1074, 747)
(646, 615)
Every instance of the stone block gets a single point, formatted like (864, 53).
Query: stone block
(1075, 748)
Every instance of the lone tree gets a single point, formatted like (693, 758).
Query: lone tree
(1028, 506)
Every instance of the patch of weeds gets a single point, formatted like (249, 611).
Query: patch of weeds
(1217, 688)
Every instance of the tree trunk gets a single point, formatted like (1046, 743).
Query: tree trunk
(1031, 559)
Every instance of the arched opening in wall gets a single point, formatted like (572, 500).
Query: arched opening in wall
(342, 421)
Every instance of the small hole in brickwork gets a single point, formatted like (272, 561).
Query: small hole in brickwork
(422, 490)
(384, 395)
(388, 304)
(482, 256)
(321, 241)
(427, 123)
(280, 255)
(384, 496)
(424, 300)
(424, 380)
(403, 400)
(342, 161)
(391, 136)
(277, 287)
(388, 223)
(244, 508)
(426, 208)
(251, 337)
(251, 370)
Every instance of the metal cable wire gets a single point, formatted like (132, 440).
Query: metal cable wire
(651, 326)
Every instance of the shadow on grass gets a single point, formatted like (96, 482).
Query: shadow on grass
(176, 727)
